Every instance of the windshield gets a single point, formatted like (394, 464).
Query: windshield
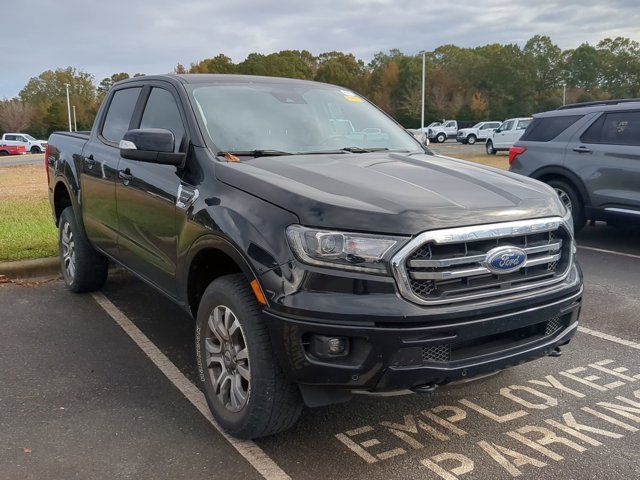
(294, 118)
(28, 137)
(478, 125)
(434, 124)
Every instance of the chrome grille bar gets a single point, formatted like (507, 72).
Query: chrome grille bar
(447, 262)
(470, 272)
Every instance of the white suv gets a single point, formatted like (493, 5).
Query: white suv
(30, 144)
(503, 138)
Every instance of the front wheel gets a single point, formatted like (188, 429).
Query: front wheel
(35, 150)
(244, 385)
(571, 200)
(441, 138)
(471, 139)
(489, 148)
(83, 268)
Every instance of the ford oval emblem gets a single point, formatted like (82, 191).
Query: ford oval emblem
(505, 259)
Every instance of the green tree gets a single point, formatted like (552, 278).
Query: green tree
(107, 83)
(620, 66)
(287, 63)
(341, 69)
(218, 64)
(544, 63)
(47, 94)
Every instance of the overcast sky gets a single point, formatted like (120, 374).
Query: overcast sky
(152, 36)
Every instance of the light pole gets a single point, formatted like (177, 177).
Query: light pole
(75, 123)
(424, 68)
(564, 93)
(68, 106)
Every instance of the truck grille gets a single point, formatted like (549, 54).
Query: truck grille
(447, 266)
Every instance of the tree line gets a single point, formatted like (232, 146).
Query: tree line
(490, 82)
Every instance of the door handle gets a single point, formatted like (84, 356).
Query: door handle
(582, 149)
(90, 161)
(125, 175)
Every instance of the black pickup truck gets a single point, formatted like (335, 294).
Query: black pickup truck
(320, 248)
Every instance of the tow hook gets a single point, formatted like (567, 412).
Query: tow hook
(423, 389)
(556, 352)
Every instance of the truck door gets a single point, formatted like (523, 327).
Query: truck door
(146, 195)
(451, 129)
(606, 156)
(501, 135)
(98, 168)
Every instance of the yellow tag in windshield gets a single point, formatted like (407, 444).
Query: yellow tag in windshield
(352, 97)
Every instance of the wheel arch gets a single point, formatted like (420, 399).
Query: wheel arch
(545, 174)
(210, 257)
(62, 198)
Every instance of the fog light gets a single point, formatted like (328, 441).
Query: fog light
(329, 347)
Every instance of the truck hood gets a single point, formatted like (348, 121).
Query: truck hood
(389, 192)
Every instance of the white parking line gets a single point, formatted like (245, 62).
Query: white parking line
(248, 449)
(611, 338)
(613, 252)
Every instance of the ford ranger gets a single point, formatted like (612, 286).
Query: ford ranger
(317, 261)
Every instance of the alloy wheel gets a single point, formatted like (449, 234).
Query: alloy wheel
(227, 359)
(564, 197)
(68, 251)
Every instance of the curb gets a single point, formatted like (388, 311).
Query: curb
(38, 268)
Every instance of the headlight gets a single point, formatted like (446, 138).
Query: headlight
(344, 250)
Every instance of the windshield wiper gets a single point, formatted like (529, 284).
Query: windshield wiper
(254, 153)
(363, 150)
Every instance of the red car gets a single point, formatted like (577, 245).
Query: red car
(12, 150)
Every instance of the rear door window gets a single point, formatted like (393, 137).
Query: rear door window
(162, 111)
(546, 129)
(116, 123)
(522, 124)
(621, 128)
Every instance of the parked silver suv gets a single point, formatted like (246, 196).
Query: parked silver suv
(590, 154)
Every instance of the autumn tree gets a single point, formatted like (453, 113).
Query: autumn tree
(15, 116)
(47, 94)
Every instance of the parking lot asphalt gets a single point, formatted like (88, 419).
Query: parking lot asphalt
(80, 399)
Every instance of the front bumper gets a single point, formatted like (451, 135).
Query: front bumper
(396, 355)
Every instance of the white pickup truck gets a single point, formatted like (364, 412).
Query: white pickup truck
(447, 129)
(503, 138)
(478, 133)
(30, 144)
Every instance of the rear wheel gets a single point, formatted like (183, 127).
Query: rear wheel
(569, 196)
(83, 268)
(441, 138)
(489, 148)
(3, 153)
(471, 139)
(244, 385)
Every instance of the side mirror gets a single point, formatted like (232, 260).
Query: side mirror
(153, 145)
(419, 135)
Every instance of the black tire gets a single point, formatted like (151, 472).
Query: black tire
(35, 150)
(570, 197)
(3, 153)
(441, 138)
(471, 139)
(489, 148)
(273, 404)
(83, 268)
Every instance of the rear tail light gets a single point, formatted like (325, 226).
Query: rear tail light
(514, 152)
(47, 151)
